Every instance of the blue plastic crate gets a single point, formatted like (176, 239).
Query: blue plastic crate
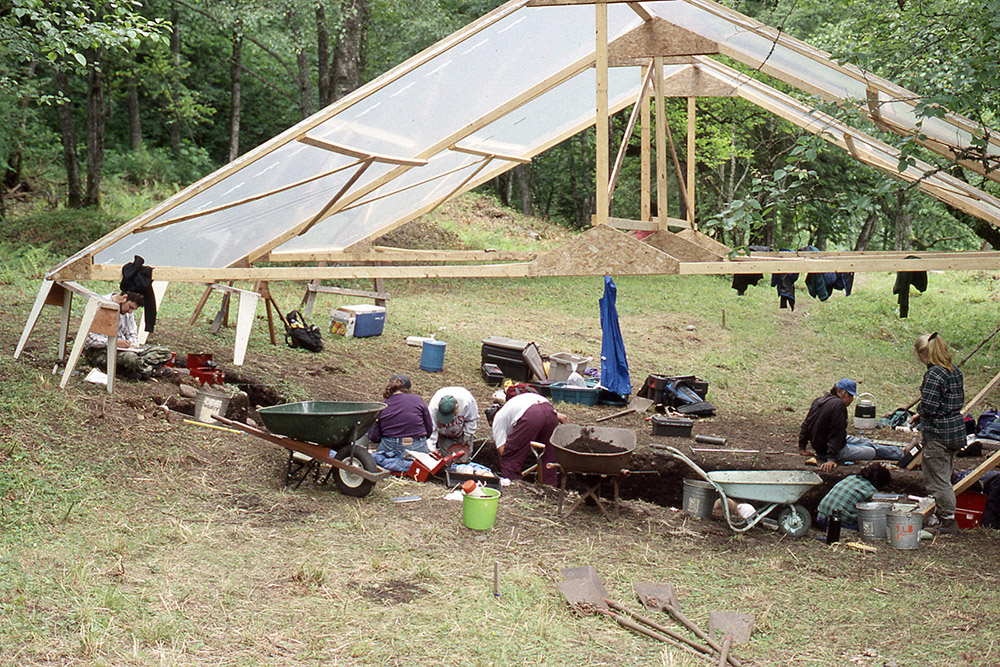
(579, 395)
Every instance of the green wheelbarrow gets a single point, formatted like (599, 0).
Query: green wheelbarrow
(316, 432)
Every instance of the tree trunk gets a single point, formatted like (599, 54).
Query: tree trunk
(134, 119)
(349, 54)
(95, 128)
(522, 176)
(903, 237)
(174, 125)
(235, 94)
(305, 84)
(324, 85)
(68, 132)
(867, 230)
(502, 186)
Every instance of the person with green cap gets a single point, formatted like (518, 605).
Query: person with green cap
(456, 415)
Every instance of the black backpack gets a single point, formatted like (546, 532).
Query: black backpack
(300, 334)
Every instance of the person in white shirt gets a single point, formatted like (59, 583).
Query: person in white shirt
(455, 414)
(524, 419)
(133, 361)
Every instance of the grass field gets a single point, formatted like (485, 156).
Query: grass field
(126, 539)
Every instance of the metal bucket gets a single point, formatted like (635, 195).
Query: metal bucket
(871, 520)
(208, 402)
(903, 528)
(699, 498)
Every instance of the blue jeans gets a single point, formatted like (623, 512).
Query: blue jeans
(862, 449)
(396, 445)
(391, 454)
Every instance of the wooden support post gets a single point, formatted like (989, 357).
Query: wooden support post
(601, 126)
(661, 146)
(101, 317)
(159, 289)
(378, 285)
(309, 298)
(264, 289)
(201, 305)
(645, 209)
(64, 316)
(40, 300)
(689, 194)
(244, 322)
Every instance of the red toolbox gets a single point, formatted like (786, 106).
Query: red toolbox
(969, 510)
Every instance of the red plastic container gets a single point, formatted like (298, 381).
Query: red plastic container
(969, 510)
(198, 360)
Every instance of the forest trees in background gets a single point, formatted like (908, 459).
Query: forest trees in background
(145, 95)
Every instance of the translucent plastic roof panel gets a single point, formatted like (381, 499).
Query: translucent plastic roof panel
(221, 238)
(462, 86)
(801, 65)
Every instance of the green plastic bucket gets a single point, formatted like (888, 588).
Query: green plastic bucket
(480, 513)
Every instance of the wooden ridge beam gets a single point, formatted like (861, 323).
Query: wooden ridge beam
(316, 142)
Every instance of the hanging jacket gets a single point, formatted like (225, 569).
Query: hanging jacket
(901, 287)
(137, 277)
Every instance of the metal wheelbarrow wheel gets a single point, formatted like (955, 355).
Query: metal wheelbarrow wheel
(794, 520)
(349, 483)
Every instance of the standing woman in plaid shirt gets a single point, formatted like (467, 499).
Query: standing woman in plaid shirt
(942, 426)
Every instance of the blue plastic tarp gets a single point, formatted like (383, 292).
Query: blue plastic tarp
(614, 365)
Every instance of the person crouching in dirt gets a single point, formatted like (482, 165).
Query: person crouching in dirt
(456, 415)
(402, 426)
(523, 419)
(825, 427)
(848, 492)
(133, 361)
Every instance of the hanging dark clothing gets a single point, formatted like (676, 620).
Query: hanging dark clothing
(904, 279)
(821, 285)
(137, 277)
(785, 282)
(741, 281)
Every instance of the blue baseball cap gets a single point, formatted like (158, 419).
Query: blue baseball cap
(850, 386)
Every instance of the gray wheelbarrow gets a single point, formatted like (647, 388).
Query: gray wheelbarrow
(768, 490)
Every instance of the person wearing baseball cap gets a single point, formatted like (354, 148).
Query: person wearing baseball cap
(825, 428)
(456, 415)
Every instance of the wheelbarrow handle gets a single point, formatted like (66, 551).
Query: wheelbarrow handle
(677, 454)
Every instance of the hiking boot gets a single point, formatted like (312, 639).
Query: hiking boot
(945, 527)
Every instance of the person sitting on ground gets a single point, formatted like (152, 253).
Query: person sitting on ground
(456, 415)
(825, 427)
(525, 418)
(132, 361)
(403, 426)
(848, 492)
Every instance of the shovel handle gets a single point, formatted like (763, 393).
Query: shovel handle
(632, 625)
(727, 641)
(656, 626)
(617, 414)
(683, 620)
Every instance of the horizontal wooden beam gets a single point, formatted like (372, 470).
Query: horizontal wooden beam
(837, 264)
(316, 142)
(343, 291)
(490, 154)
(276, 273)
(388, 254)
(552, 3)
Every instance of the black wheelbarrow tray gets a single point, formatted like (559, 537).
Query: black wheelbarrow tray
(325, 431)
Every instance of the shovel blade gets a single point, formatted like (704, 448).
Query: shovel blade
(583, 593)
(736, 625)
(656, 597)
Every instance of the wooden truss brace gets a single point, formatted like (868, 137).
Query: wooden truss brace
(100, 315)
(246, 312)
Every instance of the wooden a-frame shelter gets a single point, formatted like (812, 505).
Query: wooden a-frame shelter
(491, 96)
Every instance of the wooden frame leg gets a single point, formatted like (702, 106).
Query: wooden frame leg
(89, 313)
(244, 322)
(201, 305)
(67, 309)
(36, 309)
(112, 362)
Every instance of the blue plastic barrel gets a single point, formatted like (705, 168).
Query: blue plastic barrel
(432, 356)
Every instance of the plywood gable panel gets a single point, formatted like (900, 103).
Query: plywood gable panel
(680, 248)
(600, 251)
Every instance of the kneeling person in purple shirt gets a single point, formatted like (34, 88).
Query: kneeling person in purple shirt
(402, 426)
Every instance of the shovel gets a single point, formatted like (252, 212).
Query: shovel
(635, 404)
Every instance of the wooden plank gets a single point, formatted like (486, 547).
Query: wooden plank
(40, 300)
(691, 110)
(658, 37)
(705, 241)
(389, 255)
(629, 128)
(990, 386)
(364, 156)
(632, 225)
(244, 322)
(64, 317)
(201, 305)
(980, 470)
(602, 202)
(493, 155)
(680, 248)
(89, 313)
(362, 294)
(661, 147)
(644, 162)
(602, 250)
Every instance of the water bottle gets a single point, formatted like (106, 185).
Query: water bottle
(833, 527)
